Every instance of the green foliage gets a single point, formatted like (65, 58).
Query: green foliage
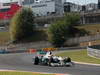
(21, 25)
(83, 32)
(73, 18)
(57, 33)
(62, 30)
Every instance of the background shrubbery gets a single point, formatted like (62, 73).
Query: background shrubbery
(64, 29)
(22, 25)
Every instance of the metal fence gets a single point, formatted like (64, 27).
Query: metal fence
(93, 52)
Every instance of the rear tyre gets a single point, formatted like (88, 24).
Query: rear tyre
(36, 61)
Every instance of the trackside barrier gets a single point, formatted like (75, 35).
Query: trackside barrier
(49, 49)
(93, 51)
(14, 51)
(3, 51)
(41, 50)
(32, 51)
(29, 50)
(18, 51)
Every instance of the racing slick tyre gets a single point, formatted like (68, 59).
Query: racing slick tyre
(36, 61)
(69, 64)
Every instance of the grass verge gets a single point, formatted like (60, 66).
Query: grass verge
(79, 56)
(92, 28)
(21, 73)
(4, 37)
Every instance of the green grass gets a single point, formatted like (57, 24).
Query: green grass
(4, 37)
(92, 28)
(21, 73)
(80, 56)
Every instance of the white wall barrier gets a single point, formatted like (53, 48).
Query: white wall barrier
(93, 52)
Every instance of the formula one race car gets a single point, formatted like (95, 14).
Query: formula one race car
(50, 60)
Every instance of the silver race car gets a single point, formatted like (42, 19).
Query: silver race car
(51, 60)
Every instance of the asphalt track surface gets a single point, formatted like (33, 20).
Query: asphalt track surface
(23, 62)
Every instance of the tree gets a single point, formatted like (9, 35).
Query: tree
(22, 25)
(57, 33)
(73, 18)
(62, 30)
